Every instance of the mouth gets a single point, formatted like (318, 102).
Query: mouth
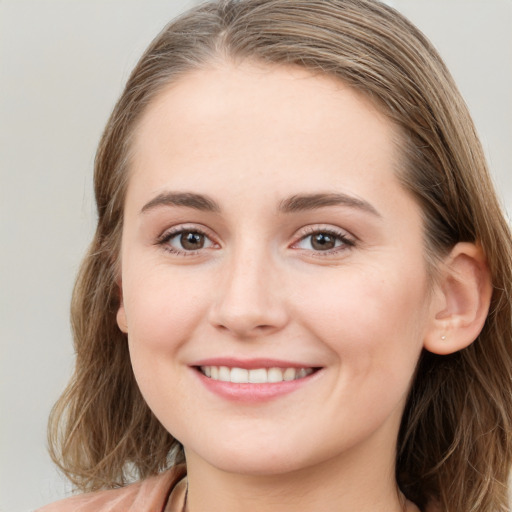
(255, 375)
(254, 381)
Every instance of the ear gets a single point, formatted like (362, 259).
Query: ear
(461, 300)
(121, 313)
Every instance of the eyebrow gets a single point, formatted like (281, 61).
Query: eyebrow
(187, 199)
(296, 203)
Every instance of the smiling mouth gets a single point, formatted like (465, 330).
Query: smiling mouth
(256, 375)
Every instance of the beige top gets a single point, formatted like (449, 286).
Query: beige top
(162, 493)
(150, 495)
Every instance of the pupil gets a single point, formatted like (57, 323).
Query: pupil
(192, 241)
(323, 242)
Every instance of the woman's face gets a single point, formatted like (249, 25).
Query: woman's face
(268, 242)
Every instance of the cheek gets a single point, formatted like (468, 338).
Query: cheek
(374, 325)
(162, 309)
(163, 314)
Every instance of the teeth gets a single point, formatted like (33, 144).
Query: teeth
(224, 374)
(274, 375)
(301, 373)
(256, 376)
(289, 374)
(238, 375)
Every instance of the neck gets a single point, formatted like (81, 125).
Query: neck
(362, 482)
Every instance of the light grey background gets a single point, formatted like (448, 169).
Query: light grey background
(62, 65)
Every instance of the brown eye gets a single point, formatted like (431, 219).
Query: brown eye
(186, 241)
(191, 241)
(323, 241)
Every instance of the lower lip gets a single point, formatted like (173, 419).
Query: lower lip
(253, 392)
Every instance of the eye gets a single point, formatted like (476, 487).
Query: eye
(324, 241)
(185, 241)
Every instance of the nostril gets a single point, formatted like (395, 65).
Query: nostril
(245, 329)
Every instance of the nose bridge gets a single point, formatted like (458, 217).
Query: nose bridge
(248, 302)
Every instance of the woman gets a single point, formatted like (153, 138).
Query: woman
(298, 294)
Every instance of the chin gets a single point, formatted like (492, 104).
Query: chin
(257, 461)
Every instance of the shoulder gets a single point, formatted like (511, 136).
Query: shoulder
(149, 495)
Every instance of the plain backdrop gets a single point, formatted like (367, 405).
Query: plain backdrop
(62, 65)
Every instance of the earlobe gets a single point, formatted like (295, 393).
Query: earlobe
(461, 300)
(121, 319)
(121, 314)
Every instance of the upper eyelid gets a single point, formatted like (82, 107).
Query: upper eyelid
(180, 228)
(323, 228)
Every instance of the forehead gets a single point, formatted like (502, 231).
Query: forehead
(268, 130)
(226, 88)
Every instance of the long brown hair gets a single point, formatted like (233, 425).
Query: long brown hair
(454, 446)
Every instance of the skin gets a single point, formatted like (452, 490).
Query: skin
(250, 137)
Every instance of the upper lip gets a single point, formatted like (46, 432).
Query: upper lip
(250, 364)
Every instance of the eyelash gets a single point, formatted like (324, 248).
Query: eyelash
(346, 241)
(164, 240)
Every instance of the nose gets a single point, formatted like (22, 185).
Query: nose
(250, 300)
